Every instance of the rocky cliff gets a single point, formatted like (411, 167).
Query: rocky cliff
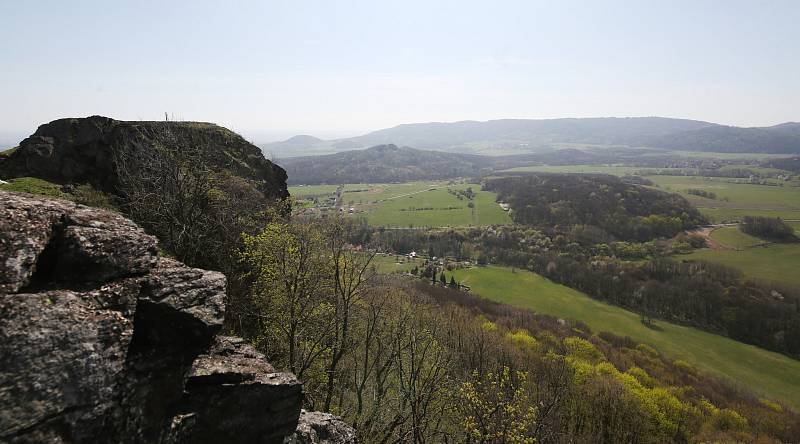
(102, 340)
(83, 150)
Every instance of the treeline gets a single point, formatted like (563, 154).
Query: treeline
(783, 163)
(708, 296)
(626, 211)
(405, 361)
(767, 227)
(702, 193)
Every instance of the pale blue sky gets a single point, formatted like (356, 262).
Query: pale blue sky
(270, 69)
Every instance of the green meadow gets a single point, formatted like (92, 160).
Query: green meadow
(733, 237)
(414, 204)
(777, 263)
(768, 373)
(438, 208)
(731, 193)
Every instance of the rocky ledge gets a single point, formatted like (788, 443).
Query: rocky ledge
(102, 340)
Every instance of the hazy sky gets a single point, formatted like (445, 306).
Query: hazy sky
(270, 69)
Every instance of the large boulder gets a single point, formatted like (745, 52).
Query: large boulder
(100, 339)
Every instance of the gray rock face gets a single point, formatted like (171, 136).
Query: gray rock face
(321, 428)
(234, 377)
(61, 356)
(67, 244)
(103, 341)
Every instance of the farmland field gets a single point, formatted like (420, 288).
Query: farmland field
(733, 237)
(394, 264)
(312, 190)
(776, 263)
(733, 199)
(415, 204)
(770, 373)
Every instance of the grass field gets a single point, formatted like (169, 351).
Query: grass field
(734, 200)
(394, 264)
(724, 215)
(765, 372)
(754, 257)
(733, 237)
(311, 190)
(414, 204)
(437, 208)
(774, 263)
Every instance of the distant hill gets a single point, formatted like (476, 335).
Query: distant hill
(779, 139)
(390, 163)
(383, 163)
(518, 136)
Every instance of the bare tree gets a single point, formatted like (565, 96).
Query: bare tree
(350, 272)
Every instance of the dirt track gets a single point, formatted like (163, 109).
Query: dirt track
(705, 232)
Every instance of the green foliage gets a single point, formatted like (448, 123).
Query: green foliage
(582, 349)
(497, 408)
(771, 405)
(730, 420)
(523, 339)
(287, 267)
(666, 413)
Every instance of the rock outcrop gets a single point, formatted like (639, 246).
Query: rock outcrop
(102, 340)
(322, 428)
(83, 150)
(234, 377)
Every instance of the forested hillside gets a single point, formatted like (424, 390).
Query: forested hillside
(401, 357)
(384, 163)
(622, 210)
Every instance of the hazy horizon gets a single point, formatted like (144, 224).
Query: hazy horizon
(270, 70)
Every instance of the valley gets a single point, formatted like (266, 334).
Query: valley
(409, 222)
(768, 373)
(721, 200)
(636, 272)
